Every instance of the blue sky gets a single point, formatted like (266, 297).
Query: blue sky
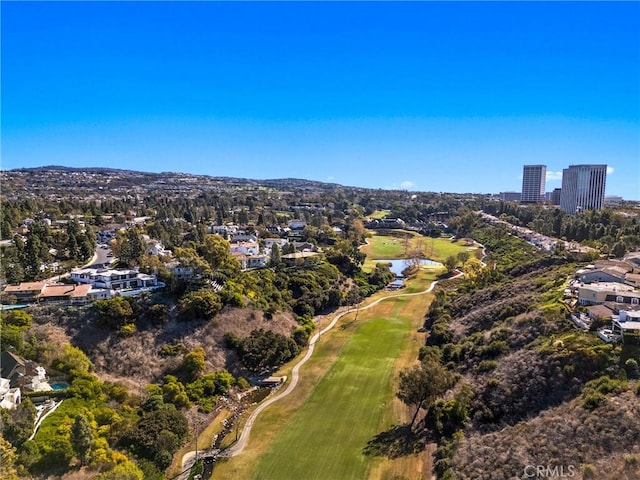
(427, 96)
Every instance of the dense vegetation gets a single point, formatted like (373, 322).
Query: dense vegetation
(500, 355)
(504, 334)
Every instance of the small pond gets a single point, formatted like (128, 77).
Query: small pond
(398, 265)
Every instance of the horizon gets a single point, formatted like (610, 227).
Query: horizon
(430, 97)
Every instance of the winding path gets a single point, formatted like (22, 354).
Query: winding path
(239, 446)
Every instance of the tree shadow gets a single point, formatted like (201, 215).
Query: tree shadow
(398, 441)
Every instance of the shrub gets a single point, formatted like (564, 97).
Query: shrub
(593, 400)
(171, 350)
(588, 471)
(127, 330)
(631, 367)
(487, 365)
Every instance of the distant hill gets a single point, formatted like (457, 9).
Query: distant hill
(276, 182)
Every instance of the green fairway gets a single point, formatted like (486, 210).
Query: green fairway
(402, 244)
(325, 437)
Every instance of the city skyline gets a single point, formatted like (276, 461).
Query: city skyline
(424, 96)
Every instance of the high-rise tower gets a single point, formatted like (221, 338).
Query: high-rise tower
(533, 179)
(583, 188)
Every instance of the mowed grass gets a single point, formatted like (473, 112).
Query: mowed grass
(402, 243)
(326, 436)
(345, 397)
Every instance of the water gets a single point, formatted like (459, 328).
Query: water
(59, 386)
(398, 265)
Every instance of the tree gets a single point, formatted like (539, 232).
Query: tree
(17, 424)
(422, 384)
(201, 304)
(114, 312)
(82, 438)
(188, 257)
(123, 471)
(7, 461)
(194, 362)
(129, 247)
(463, 257)
(275, 257)
(216, 251)
(450, 263)
(619, 249)
(73, 360)
(264, 349)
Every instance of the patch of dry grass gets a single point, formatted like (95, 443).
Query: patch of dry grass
(568, 435)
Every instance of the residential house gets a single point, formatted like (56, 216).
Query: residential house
(632, 279)
(257, 261)
(74, 294)
(114, 279)
(154, 247)
(247, 248)
(607, 274)
(270, 242)
(223, 230)
(304, 246)
(633, 259)
(180, 272)
(627, 325)
(22, 373)
(242, 259)
(596, 293)
(49, 292)
(26, 291)
(297, 225)
(298, 258)
(10, 398)
(602, 312)
(241, 237)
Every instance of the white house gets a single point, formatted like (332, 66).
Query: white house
(114, 279)
(10, 398)
(154, 247)
(270, 242)
(224, 230)
(257, 261)
(246, 248)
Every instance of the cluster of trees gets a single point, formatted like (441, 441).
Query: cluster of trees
(14, 328)
(612, 232)
(100, 426)
(27, 258)
(263, 350)
(505, 330)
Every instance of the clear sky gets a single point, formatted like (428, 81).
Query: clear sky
(427, 96)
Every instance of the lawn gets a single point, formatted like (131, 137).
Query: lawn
(325, 438)
(344, 399)
(402, 243)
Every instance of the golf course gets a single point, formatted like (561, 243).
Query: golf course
(327, 428)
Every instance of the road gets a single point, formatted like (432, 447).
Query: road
(100, 257)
